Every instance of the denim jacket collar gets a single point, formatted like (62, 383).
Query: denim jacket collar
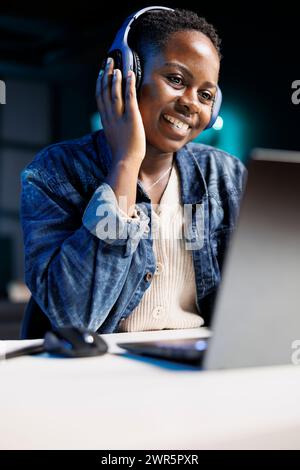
(193, 186)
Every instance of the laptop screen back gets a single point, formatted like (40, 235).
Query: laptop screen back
(257, 313)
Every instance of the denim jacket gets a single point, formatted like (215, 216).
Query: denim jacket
(84, 275)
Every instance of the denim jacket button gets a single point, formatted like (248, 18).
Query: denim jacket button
(148, 277)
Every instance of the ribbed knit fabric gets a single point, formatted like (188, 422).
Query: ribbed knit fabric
(170, 301)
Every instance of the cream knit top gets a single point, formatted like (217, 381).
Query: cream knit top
(170, 301)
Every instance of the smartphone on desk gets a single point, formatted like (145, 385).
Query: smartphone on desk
(188, 351)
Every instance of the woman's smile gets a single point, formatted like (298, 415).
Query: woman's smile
(174, 127)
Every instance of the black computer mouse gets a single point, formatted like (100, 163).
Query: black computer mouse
(74, 342)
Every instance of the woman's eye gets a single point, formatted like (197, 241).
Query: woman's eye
(175, 80)
(206, 96)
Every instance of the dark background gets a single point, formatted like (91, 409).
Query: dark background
(64, 43)
(49, 60)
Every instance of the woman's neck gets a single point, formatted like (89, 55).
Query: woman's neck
(155, 162)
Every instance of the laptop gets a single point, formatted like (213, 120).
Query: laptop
(256, 318)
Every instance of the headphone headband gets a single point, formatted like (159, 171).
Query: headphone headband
(124, 30)
(121, 39)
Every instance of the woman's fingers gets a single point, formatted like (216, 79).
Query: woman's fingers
(99, 97)
(109, 91)
(98, 83)
(131, 104)
(116, 93)
(106, 84)
(103, 91)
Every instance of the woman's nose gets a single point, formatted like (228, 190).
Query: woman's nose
(190, 102)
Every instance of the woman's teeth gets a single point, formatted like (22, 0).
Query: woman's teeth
(176, 122)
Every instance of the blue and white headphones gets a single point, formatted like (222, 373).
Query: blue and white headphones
(126, 59)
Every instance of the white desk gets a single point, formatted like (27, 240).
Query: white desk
(116, 402)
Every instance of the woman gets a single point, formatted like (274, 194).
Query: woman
(126, 229)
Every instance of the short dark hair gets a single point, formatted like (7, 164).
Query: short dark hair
(154, 27)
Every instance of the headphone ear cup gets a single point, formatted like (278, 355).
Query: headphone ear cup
(137, 68)
(215, 109)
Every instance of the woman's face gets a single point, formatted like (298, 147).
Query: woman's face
(178, 88)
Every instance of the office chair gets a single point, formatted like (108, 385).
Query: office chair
(35, 322)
